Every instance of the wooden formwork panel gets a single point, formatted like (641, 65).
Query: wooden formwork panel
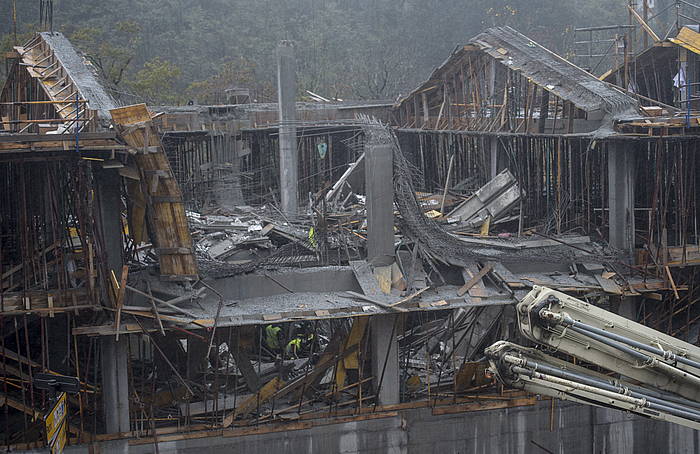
(165, 209)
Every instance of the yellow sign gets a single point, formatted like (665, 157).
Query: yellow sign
(56, 425)
(60, 441)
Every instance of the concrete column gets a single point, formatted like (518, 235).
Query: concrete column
(115, 384)
(628, 307)
(385, 350)
(286, 96)
(109, 199)
(114, 358)
(621, 167)
(493, 148)
(379, 184)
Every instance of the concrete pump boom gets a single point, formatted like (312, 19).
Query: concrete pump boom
(659, 376)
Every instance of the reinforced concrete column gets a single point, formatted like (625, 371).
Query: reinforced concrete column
(286, 96)
(493, 152)
(114, 355)
(379, 182)
(621, 168)
(385, 358)
(115, 384)
(109, 198)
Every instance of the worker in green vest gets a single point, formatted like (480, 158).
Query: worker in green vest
(272, 337)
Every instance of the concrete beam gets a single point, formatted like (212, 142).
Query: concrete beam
(621, 169)
(289, 156)
(379, 182)
(385, 358)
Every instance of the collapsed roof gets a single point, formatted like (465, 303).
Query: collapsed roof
(78, 69)
(543, 67)
(65, 76)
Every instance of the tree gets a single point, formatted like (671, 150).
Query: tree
(111, 53)
(156, 82)
(238, 73)
(345, 48)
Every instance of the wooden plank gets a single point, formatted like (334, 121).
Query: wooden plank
(245, 365)
(688, 39)
(529, 244)
(383, 276)
(88, 136)
(608, 285)
(262, 396)
(376, 302)
(506, 276)
(488, 405)
(476, 278)
(359, 327)
(341, 181)
(410, 297)
(119, 302)
(644, 25)
(672, 282)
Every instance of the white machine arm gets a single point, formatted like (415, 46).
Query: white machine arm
(667, 369)
(538, 373)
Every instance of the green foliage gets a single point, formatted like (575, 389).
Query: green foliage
(175, 50)
(156, 82)
(111, 53)
(238, 73)
(7, 42)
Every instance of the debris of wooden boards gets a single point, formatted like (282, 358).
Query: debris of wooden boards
(476, 278)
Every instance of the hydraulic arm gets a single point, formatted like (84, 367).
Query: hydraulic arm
(654, 374)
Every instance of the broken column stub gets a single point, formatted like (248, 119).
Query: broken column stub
(380, 196)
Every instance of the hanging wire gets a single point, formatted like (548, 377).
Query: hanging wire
(14, 22)
(46, 15)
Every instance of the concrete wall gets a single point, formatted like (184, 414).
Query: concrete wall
(577, 429)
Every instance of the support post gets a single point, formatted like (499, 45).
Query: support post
(109, 193)
(544, 111)
(621, 167)
(115, 384)
(385, 358)
(286, 95)
(114, 358)
(379, 184)
(493, 148)
(380, 196)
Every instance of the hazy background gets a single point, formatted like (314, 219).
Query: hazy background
(171, 51)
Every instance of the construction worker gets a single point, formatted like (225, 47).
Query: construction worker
(293, 347)
(272, 337)
(302, 342)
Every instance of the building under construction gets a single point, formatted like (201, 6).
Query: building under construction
(327, 276)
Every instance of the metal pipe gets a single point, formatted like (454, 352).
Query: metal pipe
(642, 403)
(666, 355)
(592, 381)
